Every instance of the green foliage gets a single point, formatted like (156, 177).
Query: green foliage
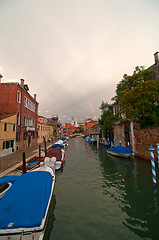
(138, 97)
(142, 103)
(128, 83)
(79, 130)
(107, 119)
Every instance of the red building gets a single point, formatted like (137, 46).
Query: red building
(14, 97)
(69, 129)
(89, 123)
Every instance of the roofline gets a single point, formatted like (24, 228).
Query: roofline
(16, 83)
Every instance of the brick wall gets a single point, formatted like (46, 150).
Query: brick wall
(143, 139)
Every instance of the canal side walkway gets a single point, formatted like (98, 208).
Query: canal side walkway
(10, 162)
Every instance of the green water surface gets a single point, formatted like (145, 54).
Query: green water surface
(98, 196)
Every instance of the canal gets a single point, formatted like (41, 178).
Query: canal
(98, 196)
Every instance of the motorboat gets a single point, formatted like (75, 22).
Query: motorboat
(24, 207)
(88, 139)
(50, 162)
(45, 168)
(4, 188)
(120, 151)
(5, 183)
(59, 154)
(31, 164)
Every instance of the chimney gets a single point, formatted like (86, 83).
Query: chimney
(22, 82)
(0, 78)
(34, 96)
(156, 56)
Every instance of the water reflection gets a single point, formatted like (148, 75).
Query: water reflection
(102, 196)
(51, 219)
(130, 183)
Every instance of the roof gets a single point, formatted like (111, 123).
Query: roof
(6, 115)
(40, 116)
(25, 88)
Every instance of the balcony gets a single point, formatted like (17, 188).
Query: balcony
(29, 128)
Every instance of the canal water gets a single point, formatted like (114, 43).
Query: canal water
(98, 196)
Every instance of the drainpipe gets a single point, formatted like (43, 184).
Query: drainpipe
(132, 137)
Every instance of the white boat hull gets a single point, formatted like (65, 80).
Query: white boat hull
(123, 155)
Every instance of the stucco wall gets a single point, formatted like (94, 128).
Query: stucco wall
(119, 134)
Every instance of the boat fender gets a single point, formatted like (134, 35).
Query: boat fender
(53, 159)
(46, 160)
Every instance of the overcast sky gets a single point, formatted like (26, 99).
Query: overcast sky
(72, 53)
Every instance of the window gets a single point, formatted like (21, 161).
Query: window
(25, 101)
(7, 144)
(13, 127)
(28, 104)
(17, 136)
(24, 135)
(4, 145)
(5, 127)
(18, 97)
(18, 119)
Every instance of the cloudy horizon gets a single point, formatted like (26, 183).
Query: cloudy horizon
(73, 53)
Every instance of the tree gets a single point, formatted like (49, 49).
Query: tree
(142, 103)
(128, 82)
(107, 119)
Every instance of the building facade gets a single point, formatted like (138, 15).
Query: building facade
(155, 67)
(14, 97)
(89, 123)
(69, 129)
(7, 134)
(43, 129)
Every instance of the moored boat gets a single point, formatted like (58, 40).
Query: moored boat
(58, 144)
(5, 183)
(24, 208)
(59, 154)
(4, 188)
(120, 151)
(45, 168)
(32, 163)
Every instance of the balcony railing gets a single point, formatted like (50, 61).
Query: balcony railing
(30, 128)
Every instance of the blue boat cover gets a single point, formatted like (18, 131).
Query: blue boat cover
(57, 146)
(24, 204)
(64, 138)
(9, 178)
(120, 149)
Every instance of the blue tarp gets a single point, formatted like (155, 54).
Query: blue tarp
(57, 146)
(88, 138)
(25, 203)
(64, 138)
(10, 178)
(120, 149)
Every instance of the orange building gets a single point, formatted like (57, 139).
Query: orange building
(43, 129)
(89, 123)
(69, 129)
